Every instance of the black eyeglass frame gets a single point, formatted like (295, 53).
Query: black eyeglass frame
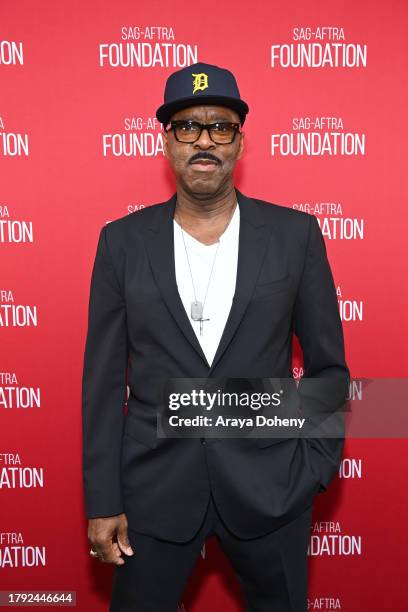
(203, 126)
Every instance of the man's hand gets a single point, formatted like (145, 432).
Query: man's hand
(109, 538)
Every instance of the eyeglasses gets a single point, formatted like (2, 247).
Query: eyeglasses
(190, 131)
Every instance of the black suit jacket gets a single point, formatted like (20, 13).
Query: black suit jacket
(137, 325)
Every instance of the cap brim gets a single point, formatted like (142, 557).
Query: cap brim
(165, 111)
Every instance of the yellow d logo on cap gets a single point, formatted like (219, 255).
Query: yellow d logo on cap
(200, 81)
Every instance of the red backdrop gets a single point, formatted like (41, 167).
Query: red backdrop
(79, 146)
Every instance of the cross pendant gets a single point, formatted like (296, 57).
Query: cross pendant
(201, 325)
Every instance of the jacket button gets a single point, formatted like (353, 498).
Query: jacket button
(203, 441)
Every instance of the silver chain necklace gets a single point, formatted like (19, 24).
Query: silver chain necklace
(197, 307)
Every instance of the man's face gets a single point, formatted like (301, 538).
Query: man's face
(217, 160)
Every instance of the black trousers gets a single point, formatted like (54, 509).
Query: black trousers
(271, 569)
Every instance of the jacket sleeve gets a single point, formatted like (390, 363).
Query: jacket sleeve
(324, 387)
(104, 387)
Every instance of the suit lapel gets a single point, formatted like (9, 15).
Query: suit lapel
(159, 240)
(253, 240)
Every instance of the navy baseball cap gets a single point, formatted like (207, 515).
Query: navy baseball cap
(201, 84)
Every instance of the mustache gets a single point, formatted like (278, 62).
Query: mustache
(204, 155)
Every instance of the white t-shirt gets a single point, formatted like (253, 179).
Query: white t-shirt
(221, 288)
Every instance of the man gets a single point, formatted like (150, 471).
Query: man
(209, 284)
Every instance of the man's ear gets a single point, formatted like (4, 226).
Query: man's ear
(241, 145)
(165, 150)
